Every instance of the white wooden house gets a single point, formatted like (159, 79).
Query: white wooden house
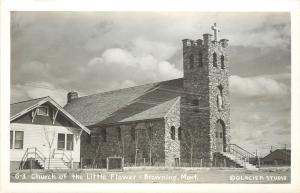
(44, 135)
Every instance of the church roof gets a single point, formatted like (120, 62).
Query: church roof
(149, 101)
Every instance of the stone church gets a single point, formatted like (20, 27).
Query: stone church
(180, 122)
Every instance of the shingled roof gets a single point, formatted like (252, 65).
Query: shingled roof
(16, 108)
(149, 101)
(23, 107)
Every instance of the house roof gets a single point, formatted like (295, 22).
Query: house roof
(149, 101)
(283, 153)
(23, 107)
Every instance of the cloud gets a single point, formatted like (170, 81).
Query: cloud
(116, 68)
(257, 87)
(25, 91)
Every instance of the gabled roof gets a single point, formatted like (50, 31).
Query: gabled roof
(149, 101)
(285, 153)
(21, 108)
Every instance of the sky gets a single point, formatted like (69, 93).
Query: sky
(53, 53)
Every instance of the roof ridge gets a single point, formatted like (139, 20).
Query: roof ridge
(117, 90)
(28, 100)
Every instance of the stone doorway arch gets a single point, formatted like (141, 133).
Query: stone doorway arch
(220, 135)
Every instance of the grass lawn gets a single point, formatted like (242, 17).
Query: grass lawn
(156, 175)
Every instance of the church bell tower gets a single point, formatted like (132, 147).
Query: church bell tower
(205, 108)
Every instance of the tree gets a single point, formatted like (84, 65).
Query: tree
(189, 141)
(49, 143)
(149, 132)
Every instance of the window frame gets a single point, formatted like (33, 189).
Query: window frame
(17, 140)
(200, 59)
(133, 133)
(119, 133)
(150, 133)
(38, 112)
(215, 59)
(104, 134)
(59, 142)
(68, 140)
(173, 132)
(11, 139)
(222, 61)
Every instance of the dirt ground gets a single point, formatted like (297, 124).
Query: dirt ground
(157, 175)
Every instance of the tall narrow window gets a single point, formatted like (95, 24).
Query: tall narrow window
(119, 134)
(103, 134)
(11, 139)
(200, 60)
(150, 133)
(132, 132)
(173, 132)
(179, 133)
(61, 141)
(19, 139)
(220, 98)
(192, 61)
(222, 62)
(215, 60)
(70, 142)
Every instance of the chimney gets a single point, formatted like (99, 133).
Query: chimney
(71, 96)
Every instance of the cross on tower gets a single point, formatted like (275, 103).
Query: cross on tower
(216, 30)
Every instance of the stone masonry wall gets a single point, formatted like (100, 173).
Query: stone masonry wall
(172, 146)
(198, 108)
(142, 147)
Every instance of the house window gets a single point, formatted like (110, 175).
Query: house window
(19, 139)
(192, 61)
(119, 134)
(61, 141)
(70, 142)
(216, 133)
(11, 139)
(179, 133)
(215, 60)
(200, 60)
(173, 132)
(150, 133)
(222, 62)
(43, 111)
(103, 134)
(132, 132)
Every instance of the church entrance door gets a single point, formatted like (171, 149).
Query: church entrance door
(219, 134)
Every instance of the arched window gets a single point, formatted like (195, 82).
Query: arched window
(200, 60)
(220, 98)
(179, 133)
(150, 133)
(215, 60)
(132, 133)
(119, 134)
(191, 61)
(103, 134)
(173, 132)
(222, 62)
